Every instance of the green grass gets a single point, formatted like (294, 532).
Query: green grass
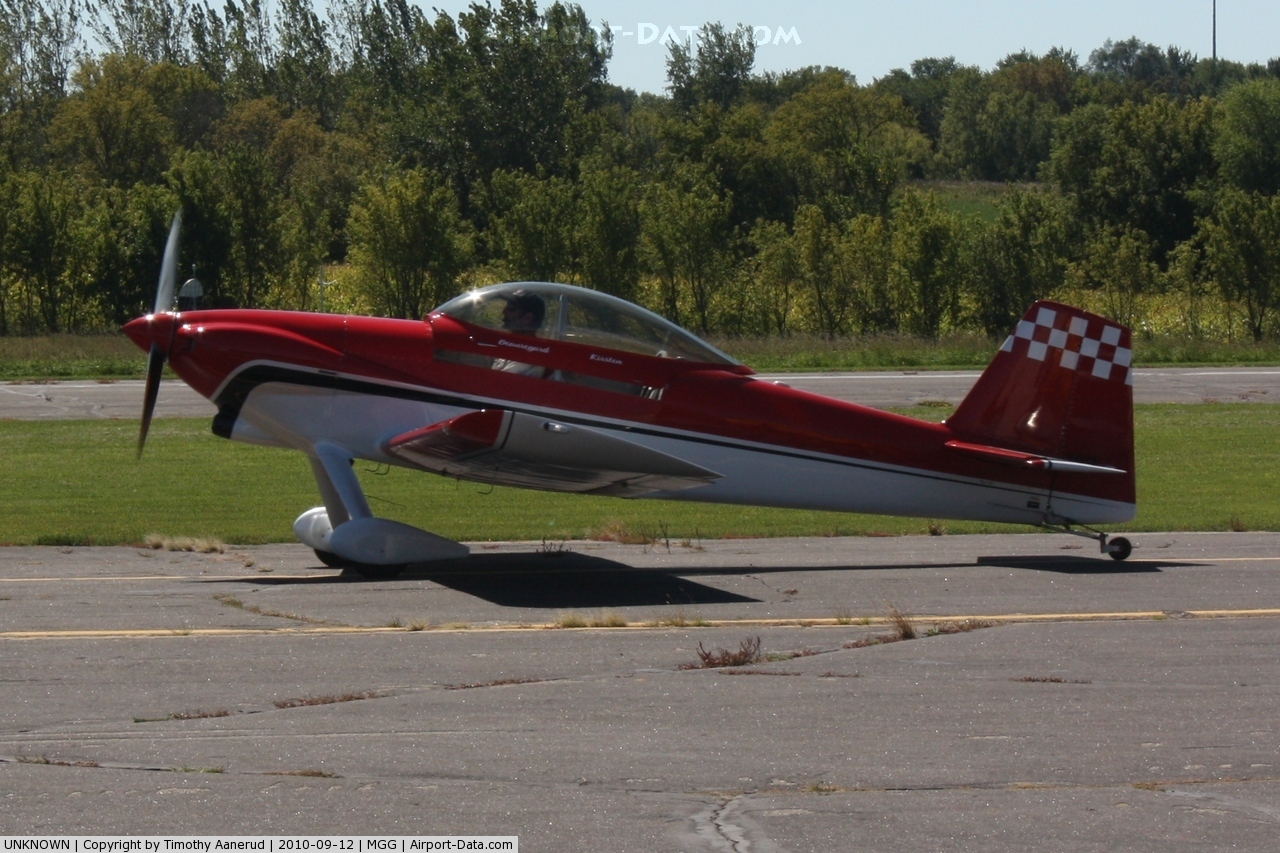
(873, 352)
(968, 198)
(1201, 467)
(104, 356)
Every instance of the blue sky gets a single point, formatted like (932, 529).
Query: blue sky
(872, 38)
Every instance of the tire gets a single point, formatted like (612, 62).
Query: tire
(332, 560)
(366, 570)
(377, 573)
(1119, 548)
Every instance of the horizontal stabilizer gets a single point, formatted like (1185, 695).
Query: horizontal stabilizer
(518, 449)
(1002, 456)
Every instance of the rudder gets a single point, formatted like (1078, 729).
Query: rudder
(1061, 387)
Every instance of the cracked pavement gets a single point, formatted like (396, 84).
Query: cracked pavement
(1109, 705)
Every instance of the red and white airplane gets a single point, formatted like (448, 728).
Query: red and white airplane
(549, 386)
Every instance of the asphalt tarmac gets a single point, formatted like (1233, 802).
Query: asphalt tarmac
(123, 399)
(1093, 705)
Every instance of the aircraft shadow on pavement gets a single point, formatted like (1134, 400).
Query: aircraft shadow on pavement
(556, 580)
(1039, 563)
(570, 580)
(566, 579)
(1080, 565)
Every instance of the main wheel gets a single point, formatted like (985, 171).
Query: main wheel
(1119, 548)
(372, 572)
(332, 560)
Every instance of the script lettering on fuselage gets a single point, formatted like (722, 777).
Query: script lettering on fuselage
(503, 342)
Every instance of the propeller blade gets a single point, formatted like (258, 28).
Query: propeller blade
(169, 267)
(155, 367)
(156, 355)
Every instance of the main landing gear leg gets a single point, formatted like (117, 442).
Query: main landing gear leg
(346, 535)
(1117, 548)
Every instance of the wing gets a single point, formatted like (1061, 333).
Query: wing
(516, 449)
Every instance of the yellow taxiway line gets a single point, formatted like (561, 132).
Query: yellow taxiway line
(879, 621)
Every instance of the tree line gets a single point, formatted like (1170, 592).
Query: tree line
(410, 157)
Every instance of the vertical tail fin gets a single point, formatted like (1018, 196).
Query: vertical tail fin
(1060, 387)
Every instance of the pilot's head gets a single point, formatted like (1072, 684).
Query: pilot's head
(523, 312)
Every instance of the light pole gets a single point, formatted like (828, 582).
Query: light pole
(1215, 31)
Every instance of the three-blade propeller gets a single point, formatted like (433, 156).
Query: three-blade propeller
(157, 354)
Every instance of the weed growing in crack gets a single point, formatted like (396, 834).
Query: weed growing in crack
(570, 619)
(200, 715)
(960, 627)
(679, 620)
(758, 672)
(748, 653)
(774, 657)
(231, 601)
(159, 542)
(54, 762)
(901, 624)
(326, 700)
(502, 682)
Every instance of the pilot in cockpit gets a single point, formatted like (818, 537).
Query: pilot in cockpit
(523, 314)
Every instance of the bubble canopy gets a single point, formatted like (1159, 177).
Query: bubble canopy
(580, 316)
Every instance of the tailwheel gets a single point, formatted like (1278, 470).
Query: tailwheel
(1116, 547)
(1119, 548)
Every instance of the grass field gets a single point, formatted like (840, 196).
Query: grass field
(1200, 467)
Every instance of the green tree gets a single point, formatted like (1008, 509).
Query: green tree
(777, 278)
(1247, 144)
(1242, 243)
(608, 230)
(124, 235)
(235, 48)
(150, 30)
(999, 126)
(715, 67)
(535, 224)
(8, 269)
(1018, 258)
(867, 257)
(1132, 69)
(1188, 277)
(924, 91)
(195, 180)
(112, 127)
(408, 242)
(846, 147)
(305, 62)
(39, 42)
(926, 270)
(686, 235)
(251, 199)
(1116, 263)
(43, 251)
(825, 272)
(1137, 166)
